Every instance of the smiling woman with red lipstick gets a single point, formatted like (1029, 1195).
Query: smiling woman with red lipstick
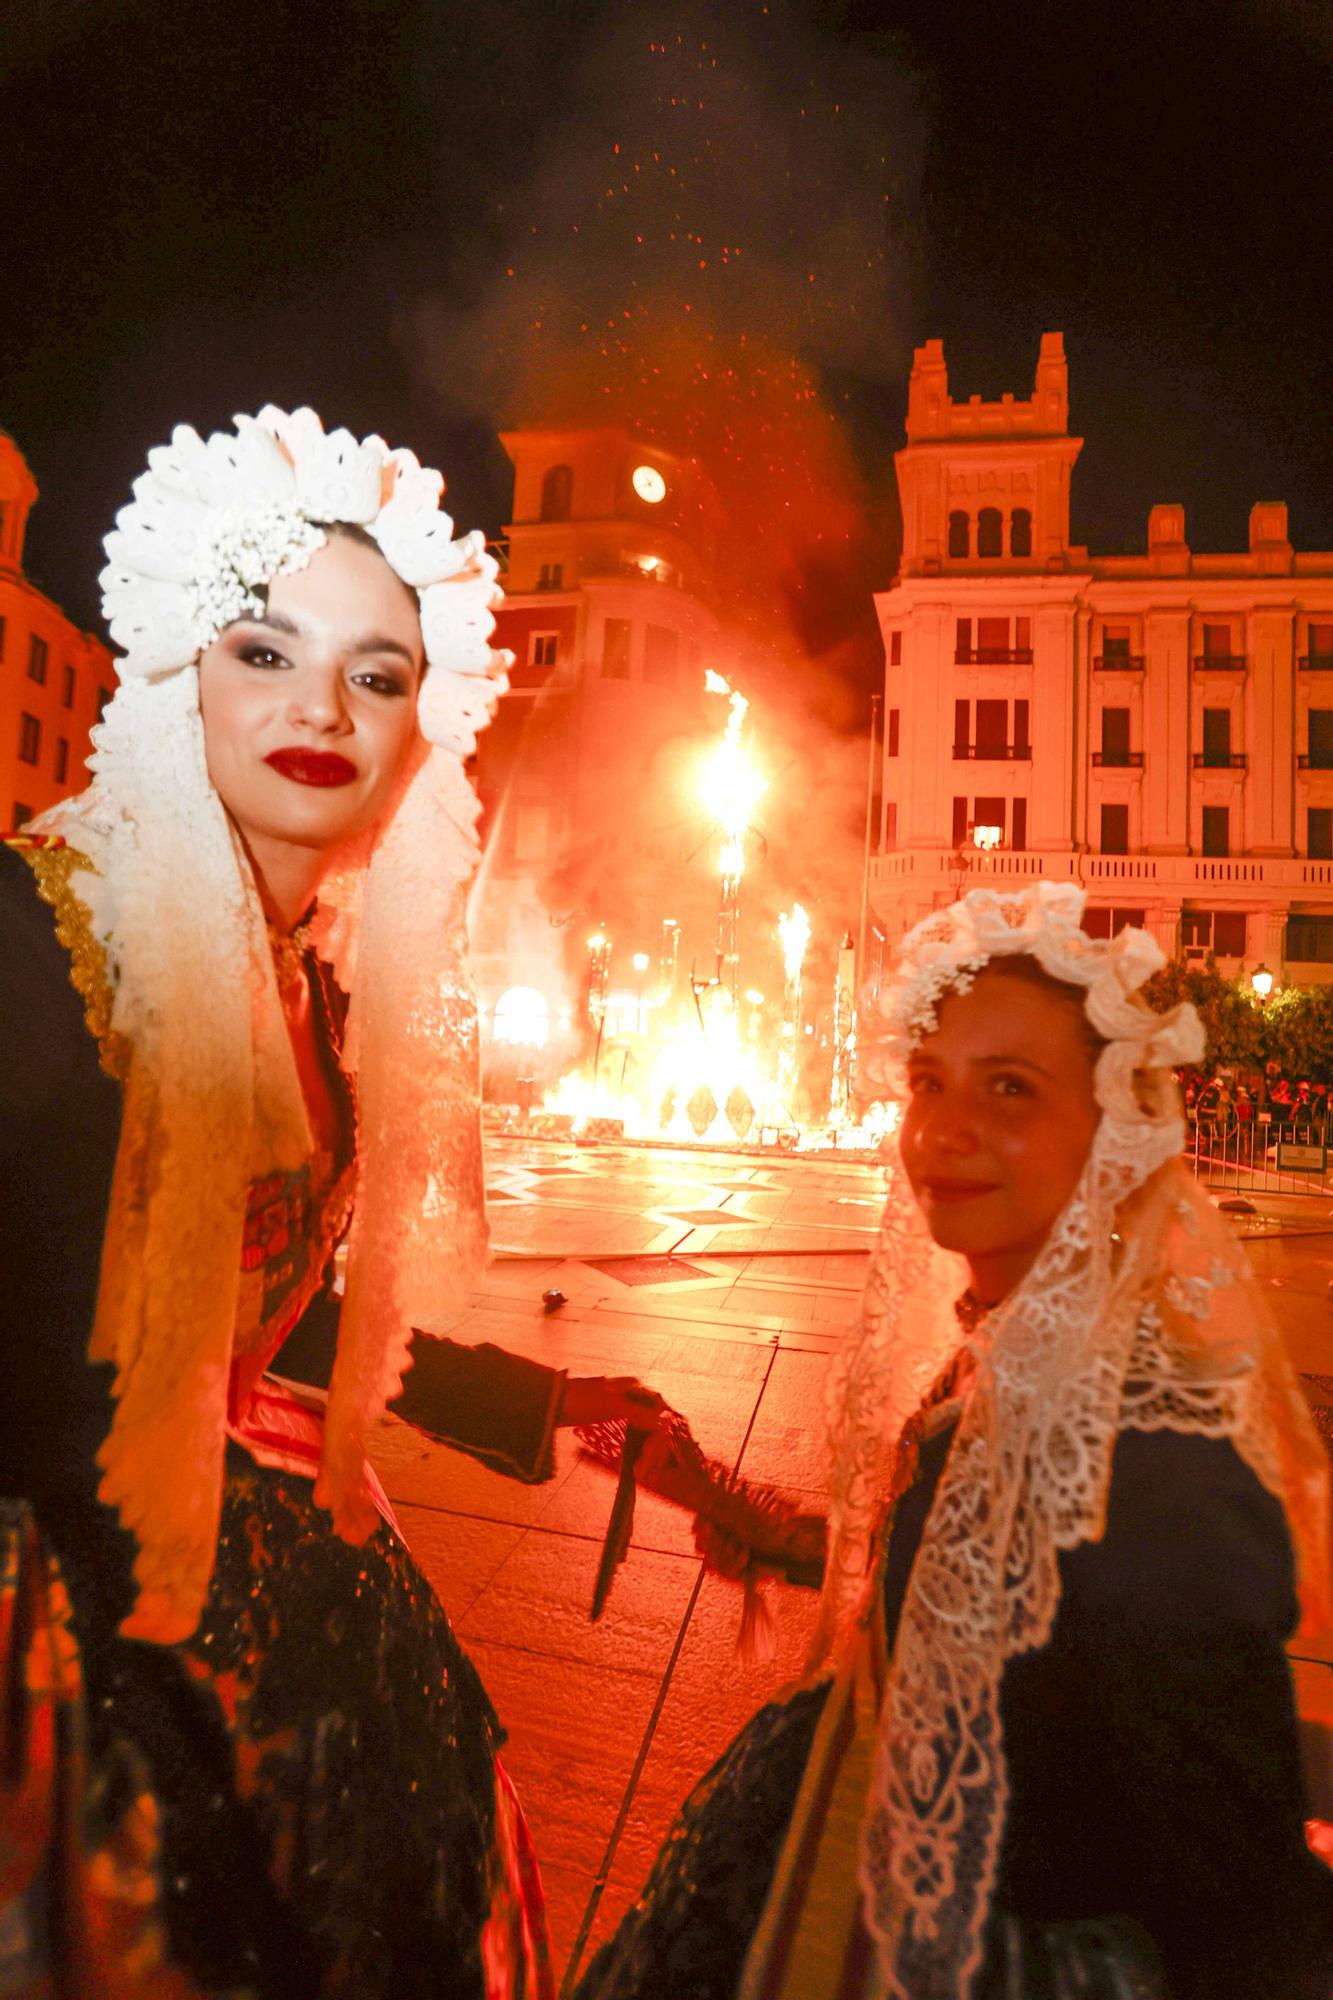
(234, 986)
(1047, 1747)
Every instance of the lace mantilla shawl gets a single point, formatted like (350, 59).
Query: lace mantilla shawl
(211, 1095)
(1141, 1313)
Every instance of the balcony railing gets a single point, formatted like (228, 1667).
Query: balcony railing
(1122, 760)
(1316, 663)
(1220, 663)
(1235, 760)
(992, 656)
(992, 753)
(1117, 663)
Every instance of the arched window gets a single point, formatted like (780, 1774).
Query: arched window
(960, 535)
(990, 532)
(1020, 532)
(557, 493)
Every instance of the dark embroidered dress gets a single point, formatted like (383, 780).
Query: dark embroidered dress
(317, 1763)
(1155, 1791)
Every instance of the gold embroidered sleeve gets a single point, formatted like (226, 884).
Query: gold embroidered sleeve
(53, 867)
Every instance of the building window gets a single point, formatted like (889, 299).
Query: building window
(615, 649)
(959, 821)
(1310, 940)
(890, 825)
(1217, 642)
(895, 649)
(893, 732)
(1109, 923)
(1319, 833)
(62, 759)
(1022, 741)
(1018, 838)
(1115, 642)
(557, 493)
(1321, 739)
(36, 659)
(990, 532)
(962, 729)
(992, 642)
(992, 730)
(1321, 645)
(67, 688)
(551, 576)
(1115, 736)
(1217, 830)
(1115, 830)
(962, 641)
(1217, 738)
(661, 657)
(22, 813)
(1020, 532)
(960, 535)
(1023, 641)
(542, 648)
(30, 739)
(1229, 933)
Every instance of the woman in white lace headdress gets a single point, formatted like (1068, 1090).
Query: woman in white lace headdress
(241, 1751)
(1047, 1749)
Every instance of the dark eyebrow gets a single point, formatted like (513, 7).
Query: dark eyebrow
(1012, 1062)
(276, 621)
(379, 642)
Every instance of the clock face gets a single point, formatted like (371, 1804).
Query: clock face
(648, 483)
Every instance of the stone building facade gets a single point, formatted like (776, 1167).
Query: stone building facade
(1158, 726)
(54, 679)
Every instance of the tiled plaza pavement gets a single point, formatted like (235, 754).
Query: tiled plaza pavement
(725, 1281)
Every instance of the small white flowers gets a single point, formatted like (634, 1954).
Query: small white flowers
(247, 548)
(212, 522)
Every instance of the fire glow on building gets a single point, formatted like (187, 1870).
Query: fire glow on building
(698, 1056)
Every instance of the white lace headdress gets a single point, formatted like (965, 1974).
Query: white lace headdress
(1138, 1312)
(211, 1096)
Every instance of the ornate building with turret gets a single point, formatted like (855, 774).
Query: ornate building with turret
(54, 679)
(1158, 727)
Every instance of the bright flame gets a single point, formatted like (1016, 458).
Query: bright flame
(794, 931)
(522, 1017)
(729, 785)
(714, 683)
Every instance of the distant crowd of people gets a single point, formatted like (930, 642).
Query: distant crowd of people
(1229, 1099)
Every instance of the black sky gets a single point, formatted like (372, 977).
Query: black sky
(215, 205)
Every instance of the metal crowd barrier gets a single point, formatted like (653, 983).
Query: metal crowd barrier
(1261, 1155)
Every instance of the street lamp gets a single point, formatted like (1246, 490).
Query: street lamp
(1261, 979)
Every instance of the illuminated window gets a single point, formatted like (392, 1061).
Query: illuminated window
(67, 690)
(1020, 532)
(990, 532)
(30, 739)
(557, 493)
(62, 759)
(989, 812)
(615, 649)
(542, 648)
(960, 535)
(36, 659)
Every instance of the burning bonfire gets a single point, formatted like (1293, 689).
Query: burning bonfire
(702, 1060)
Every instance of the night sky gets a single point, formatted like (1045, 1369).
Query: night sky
(730, 223)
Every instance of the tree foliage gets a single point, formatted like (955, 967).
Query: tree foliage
(1294, 1028)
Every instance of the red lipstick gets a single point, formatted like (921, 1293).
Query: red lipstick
(312, 767)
